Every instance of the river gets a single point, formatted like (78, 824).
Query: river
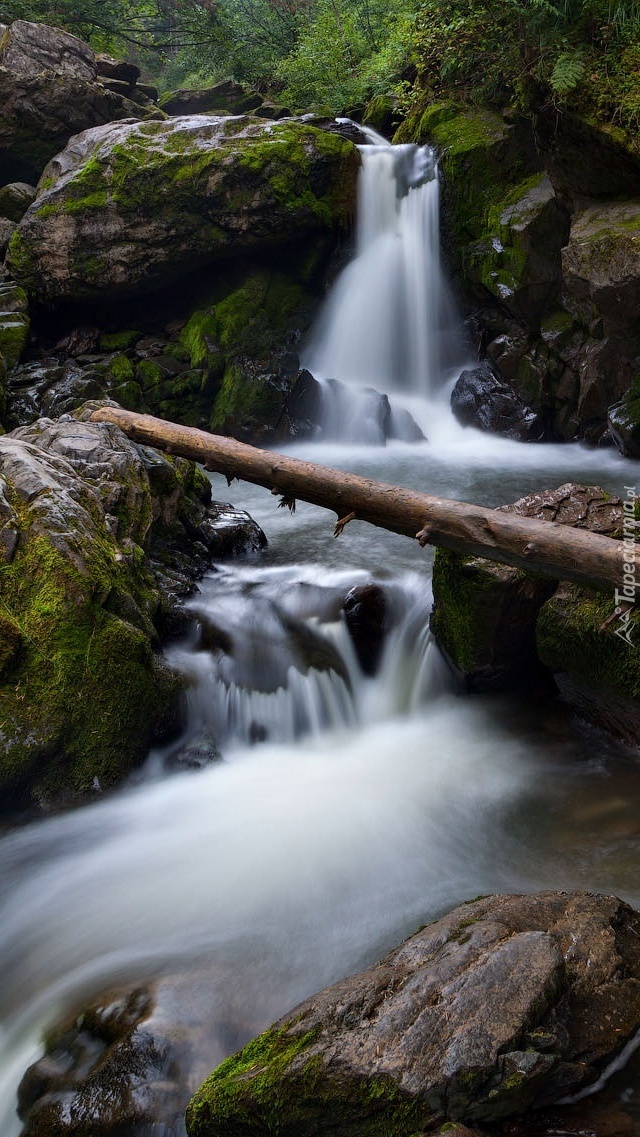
(368, 805)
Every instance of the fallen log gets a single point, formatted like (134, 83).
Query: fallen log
(546, 547)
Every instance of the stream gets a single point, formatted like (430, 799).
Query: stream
(346, 810)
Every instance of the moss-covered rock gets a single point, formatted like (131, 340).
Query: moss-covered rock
(499, 627)
(484, 620)
(82, 691)
(241, 342)
(381, 114)
(138, 204)
(474, 1019)
(591, 644)
(14, 322)
(483, 161)
(95, 534)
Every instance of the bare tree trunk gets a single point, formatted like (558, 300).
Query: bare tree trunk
(545, 547)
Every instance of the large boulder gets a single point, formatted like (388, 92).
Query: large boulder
(586, 158)
(30, 49)
(50, 89)
(601, 266)
(518, 261)
(508, 1002)
(83, 687)
(134, 205)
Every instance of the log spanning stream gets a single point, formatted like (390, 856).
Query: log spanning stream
(347, 809)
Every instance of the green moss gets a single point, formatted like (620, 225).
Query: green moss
(118, 341)
(14, 336)
(557, 322)
(576, 634)
(464, 590)
(78, 689)
(275, 1086)
(149, 374)
(121, 368)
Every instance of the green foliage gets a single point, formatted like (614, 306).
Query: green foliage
(567, 72)
(346, 52)
(580, 54)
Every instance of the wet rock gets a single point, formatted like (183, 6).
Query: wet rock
(485, 615)
(29, 49)
(381, 114)
(365, 610)
(482, 400)
(506, 1003)
(230, 532)
(301, 412)
(15, 200)
(259, 184)
(194, 755)
(127, 1061)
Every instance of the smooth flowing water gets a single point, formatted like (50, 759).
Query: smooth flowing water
(346, 810)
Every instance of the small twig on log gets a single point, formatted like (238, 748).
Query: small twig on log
(424, 536)
(287, 502)
(341, 523)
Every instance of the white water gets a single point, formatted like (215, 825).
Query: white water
(374, 805)
(389, 322)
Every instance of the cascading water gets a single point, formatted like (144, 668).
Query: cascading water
(366, 805)
(388, 323)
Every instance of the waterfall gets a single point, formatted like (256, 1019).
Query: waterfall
(387, 321)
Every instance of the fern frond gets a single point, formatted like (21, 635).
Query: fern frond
(567, 72)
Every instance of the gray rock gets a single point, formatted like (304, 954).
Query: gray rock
(29, 49)
(39, 113)
(506, 1003)
(15, 200)
(481, 399)
(227, 97)
(117, 69)
(601, 266)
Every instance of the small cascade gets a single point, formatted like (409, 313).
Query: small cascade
(388, 320)
(269, 659)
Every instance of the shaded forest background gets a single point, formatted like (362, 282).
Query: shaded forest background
(334, 55)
